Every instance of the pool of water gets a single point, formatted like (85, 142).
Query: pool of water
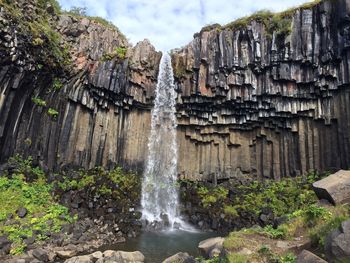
(157, 246)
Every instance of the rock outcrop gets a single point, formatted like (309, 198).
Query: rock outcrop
(254, 102)
(251, 100)
(100, 106)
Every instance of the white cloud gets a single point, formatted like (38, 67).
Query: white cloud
(171, 23)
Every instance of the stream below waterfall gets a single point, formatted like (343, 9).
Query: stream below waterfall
(157, 246)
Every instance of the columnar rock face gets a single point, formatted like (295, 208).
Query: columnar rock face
(252, 102)
(103, 101)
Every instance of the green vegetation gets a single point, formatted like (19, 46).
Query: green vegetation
(275, 233)
(118, 184)
(119, 53)
(251, 199)
(50, 48)
(52, 112)
(28, 188)
(57, 84)
(179, 68)
(39, 102)
(212, 196)
(280, 23)
(313, 221)
(267, 255)
(290, 199)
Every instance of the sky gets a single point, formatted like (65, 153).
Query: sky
(171, 24)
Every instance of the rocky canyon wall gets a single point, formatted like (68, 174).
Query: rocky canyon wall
(253, 100)
(266, 103)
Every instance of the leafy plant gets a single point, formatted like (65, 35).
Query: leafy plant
(52, 112)
(57, 84)
(288, 258)
(118, 52)
(38, 101)
(274, 233)
(230, 210)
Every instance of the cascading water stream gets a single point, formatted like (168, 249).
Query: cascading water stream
(159, 190)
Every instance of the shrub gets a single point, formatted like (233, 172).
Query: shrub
(52, 112)
(274, 233)
(212, 196)
(119, 53)
(57, 84)
(314, 213)
(230, 211)
(319, 232)
(38, 101)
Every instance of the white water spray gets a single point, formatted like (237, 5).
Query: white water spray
(160, 199)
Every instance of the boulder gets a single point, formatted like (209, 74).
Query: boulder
(211, 247)
(80, 259)
(22, 212)
(40, 254)
(97, 255)
(337, 243)
(180, 258)
(335, 188)
(307, 257)
(123, 256)
(66, 253)
(4, 242)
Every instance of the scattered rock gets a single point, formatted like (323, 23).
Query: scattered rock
(22, 212)
(282, 244)
(245, 251)
(307, 257)
(180, 257)
(66, 254)
(335, 188)
(337, 243)
(29, 241)
(211, 247)
(4, 241)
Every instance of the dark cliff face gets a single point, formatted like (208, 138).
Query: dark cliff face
(94, 111)
(251, 100)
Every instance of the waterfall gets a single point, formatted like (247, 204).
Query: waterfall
(159, 190)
